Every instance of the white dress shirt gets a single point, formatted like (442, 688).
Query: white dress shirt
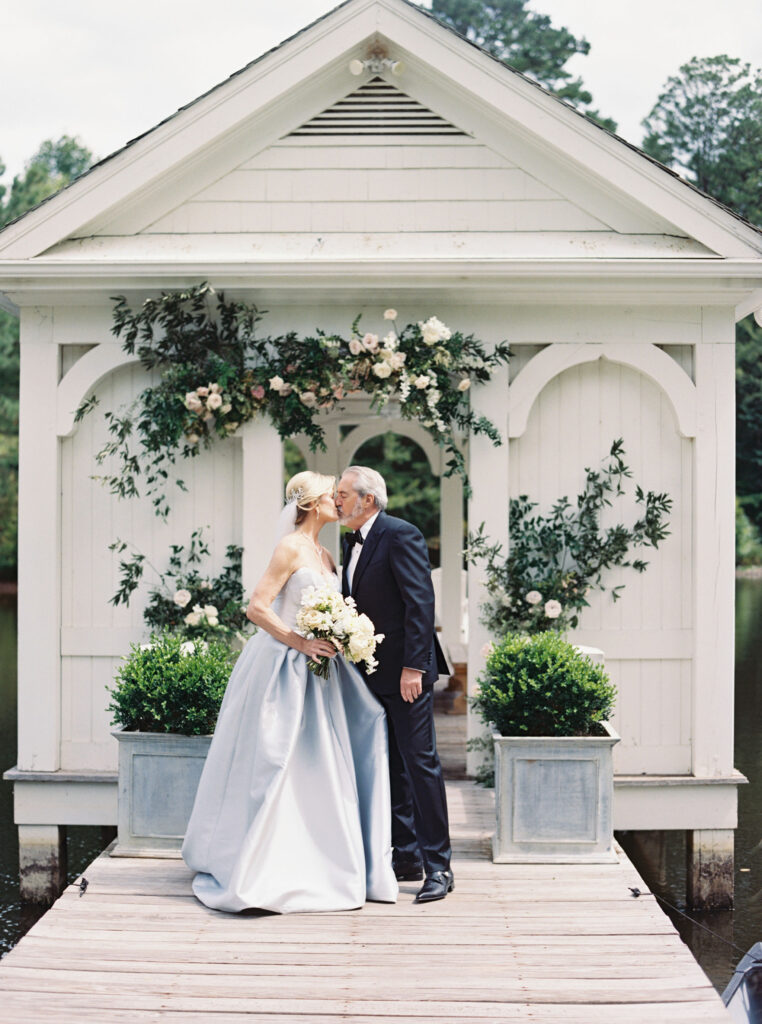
(354, 555)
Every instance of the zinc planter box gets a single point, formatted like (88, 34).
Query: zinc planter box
(158, 779)
(554, 799)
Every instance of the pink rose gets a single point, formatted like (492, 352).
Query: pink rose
(370, 342)
(258, 392)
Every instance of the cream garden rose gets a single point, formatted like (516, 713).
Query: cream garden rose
(533, 597)
(181, 597)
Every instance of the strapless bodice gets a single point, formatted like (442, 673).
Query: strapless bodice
(287, 603)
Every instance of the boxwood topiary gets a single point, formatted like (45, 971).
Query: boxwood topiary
(172, 685)
(540, 685)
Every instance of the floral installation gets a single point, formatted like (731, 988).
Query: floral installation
(216, 373)
(186, 602)
(325, 615)
(555, 560)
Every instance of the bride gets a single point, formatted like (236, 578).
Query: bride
(292, 811)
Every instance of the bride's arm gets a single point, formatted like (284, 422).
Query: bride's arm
(282, 564)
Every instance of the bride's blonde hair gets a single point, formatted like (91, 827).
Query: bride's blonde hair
(306, 489)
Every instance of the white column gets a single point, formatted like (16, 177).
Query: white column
(714, 547)
(488, 476)
(451, 551)
(39, 548)
(262, 495)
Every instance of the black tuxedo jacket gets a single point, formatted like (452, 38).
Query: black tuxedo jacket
(392, 585)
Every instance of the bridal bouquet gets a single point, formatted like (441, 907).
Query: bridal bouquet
(326, 615)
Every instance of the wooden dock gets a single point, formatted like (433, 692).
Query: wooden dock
(529, 943)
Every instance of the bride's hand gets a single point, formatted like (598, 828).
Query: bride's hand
(317, 648)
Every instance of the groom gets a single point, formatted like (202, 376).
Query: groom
(386, 570)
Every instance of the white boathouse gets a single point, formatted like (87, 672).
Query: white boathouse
(457, 188)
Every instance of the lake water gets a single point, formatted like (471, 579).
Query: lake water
(659, 856)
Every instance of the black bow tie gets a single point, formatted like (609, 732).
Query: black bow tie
(354, 538)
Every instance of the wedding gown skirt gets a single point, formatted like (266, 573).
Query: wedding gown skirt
(293, 811)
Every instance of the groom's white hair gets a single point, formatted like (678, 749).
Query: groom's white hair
(368, 481)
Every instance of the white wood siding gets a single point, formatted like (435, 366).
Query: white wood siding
(366, 195)
(94, 634)
(646, 635)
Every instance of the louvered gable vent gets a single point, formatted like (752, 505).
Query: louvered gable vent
(377, 108)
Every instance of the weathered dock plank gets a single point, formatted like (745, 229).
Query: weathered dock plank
(540, 943)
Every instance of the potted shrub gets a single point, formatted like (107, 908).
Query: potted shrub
(165, 701)
(548, 704)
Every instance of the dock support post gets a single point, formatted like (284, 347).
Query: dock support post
(709, 874)
(42, 862)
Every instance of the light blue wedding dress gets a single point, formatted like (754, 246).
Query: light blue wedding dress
(292, 811)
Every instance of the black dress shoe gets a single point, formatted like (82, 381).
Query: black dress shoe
(436, 887)
(408, 870)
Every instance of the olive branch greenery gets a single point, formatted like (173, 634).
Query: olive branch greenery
(556, 558)
(216, 373)
(186, 601)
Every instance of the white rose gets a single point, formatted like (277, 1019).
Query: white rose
(182, 597)
(382, 369)
(210, 611)
(370, 342)
(390, 314)
(276, 383)
(355, 346)
(308, 398)
(553, 609)
(533, 597)
(464, 385)
(215, 389)
(433, 330)
(193, 618)
(193, 402)
(286, 390)
(397, 360)
(422, 382)
(202, 391)
(214, 401)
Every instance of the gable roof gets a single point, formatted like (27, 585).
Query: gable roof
(317, 55)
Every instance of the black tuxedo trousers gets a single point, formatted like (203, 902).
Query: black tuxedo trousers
(392, 585)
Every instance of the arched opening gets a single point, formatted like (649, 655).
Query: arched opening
(414, 492)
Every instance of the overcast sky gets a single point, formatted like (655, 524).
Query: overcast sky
(108, 71)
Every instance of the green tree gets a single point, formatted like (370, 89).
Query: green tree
(54, 165)
(526, 41)
(707, 123)
(749, 419)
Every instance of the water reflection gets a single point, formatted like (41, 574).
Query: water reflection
(82, 843)
(660, 856)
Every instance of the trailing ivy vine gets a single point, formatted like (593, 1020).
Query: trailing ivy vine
(216, 373)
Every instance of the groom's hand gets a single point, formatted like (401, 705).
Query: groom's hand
(411, 685)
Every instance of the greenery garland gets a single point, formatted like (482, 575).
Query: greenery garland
(216, 374)
(554, 560)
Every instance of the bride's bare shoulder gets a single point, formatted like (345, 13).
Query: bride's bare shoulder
(288, 550)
